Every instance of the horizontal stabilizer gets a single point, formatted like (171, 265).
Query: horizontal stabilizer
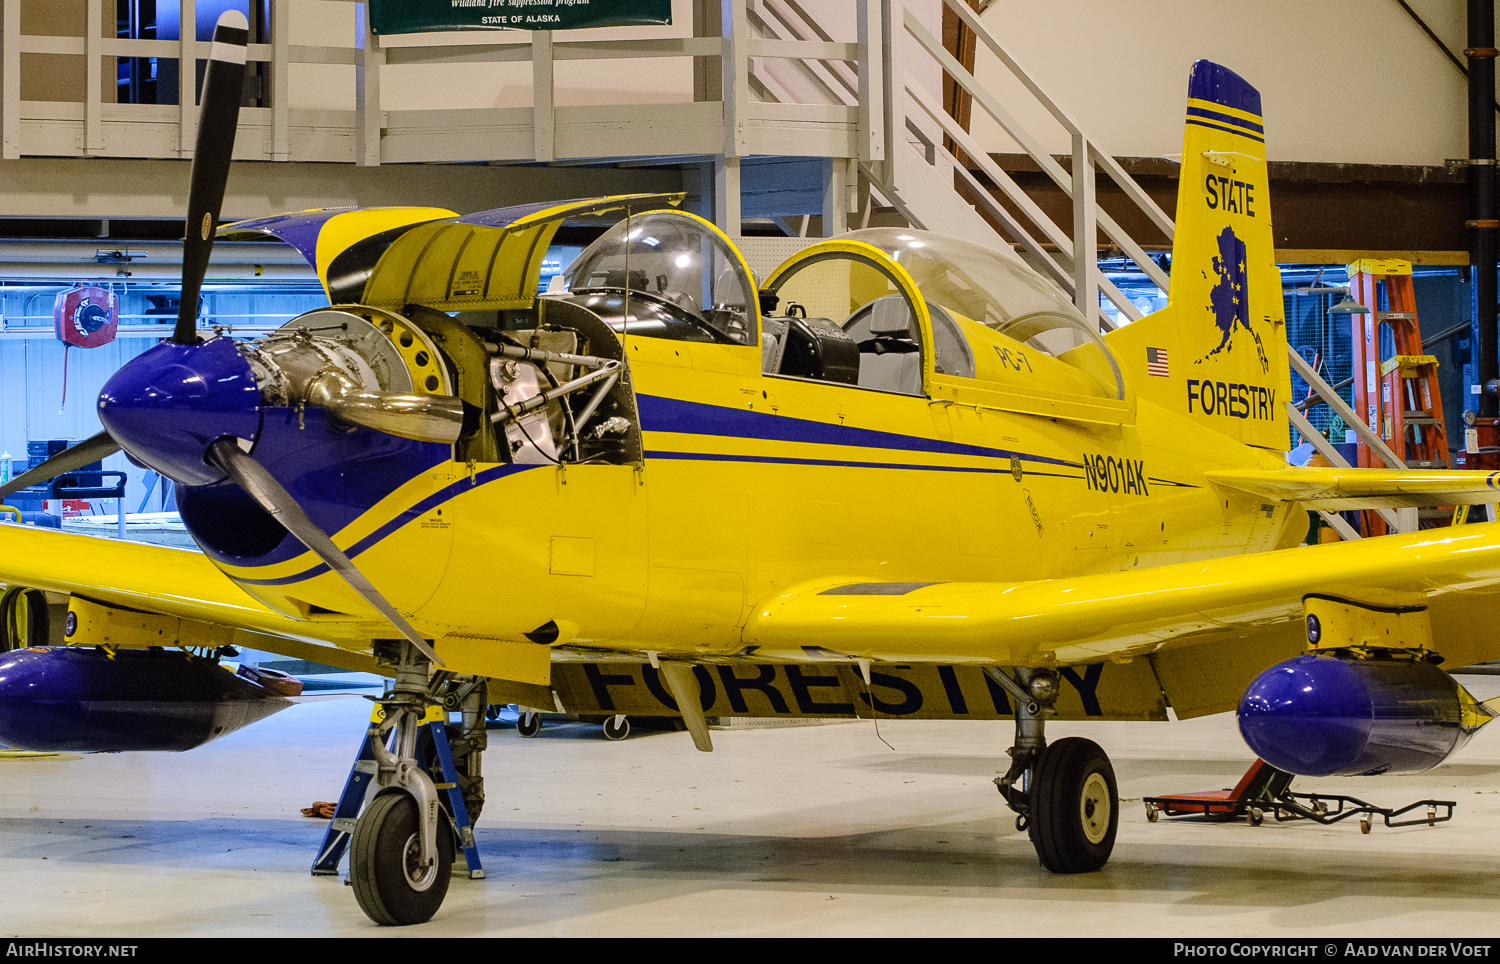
(1339, 489)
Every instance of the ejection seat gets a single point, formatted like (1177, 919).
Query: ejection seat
(890, 360)
(815, 348)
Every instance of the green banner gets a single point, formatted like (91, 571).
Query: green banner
(424, 16)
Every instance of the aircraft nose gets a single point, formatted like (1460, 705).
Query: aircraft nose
(169, 404)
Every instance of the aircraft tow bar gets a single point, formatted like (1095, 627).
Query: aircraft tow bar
(1265, 788)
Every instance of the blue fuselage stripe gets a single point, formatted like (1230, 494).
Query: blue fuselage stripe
(838, 463)
(431, 502)
(660, 414)
(695, 418)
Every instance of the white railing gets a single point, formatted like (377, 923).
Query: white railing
(729, 122)
(902, 131)
(1071, 260)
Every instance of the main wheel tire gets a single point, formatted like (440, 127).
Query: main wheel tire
(614, 731)
(382, 863)
(1075, 806)
(530, 724)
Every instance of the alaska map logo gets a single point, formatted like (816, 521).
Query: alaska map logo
(1229, 300)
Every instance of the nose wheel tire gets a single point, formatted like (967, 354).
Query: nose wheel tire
(389, 882)
(530, 724)
(1075, 807)
(616, 728)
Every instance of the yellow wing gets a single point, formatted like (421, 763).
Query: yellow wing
(1337, 489)
(173, 582)
(1206, 626)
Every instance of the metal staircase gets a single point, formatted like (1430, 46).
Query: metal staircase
(903, 157)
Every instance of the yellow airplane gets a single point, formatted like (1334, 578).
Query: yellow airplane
(900, 477)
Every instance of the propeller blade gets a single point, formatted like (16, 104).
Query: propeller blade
(70, 459)
(259, 484)
(218, 118)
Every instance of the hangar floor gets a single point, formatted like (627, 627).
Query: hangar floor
(818, 830)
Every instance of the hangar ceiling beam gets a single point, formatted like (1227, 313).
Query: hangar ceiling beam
(187, 80)
(543, 102)
(91, 189)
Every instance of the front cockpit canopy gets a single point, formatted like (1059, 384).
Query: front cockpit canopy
(676, 259)
(996, 288)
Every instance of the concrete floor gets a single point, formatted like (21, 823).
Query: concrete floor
(818, 830)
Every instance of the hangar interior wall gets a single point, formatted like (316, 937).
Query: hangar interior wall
(1342, 81)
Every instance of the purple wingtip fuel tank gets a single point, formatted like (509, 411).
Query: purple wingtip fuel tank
(1320, 715)
(87, 700)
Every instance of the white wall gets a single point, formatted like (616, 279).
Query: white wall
(1351, 81)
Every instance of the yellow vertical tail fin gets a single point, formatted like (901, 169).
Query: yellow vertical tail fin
(1217, 352)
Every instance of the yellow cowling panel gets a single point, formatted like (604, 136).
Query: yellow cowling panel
(343, 231)
(458, 265)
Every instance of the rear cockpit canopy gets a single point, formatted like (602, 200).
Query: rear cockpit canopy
(1000, 291)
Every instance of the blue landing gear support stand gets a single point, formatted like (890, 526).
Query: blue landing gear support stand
(362, 775)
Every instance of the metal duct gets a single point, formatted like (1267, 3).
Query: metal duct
(109, 250)
(148, 271)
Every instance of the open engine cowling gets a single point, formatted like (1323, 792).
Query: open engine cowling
(1323, 715)
(87, 700)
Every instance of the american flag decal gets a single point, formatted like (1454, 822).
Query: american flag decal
(1156, 361)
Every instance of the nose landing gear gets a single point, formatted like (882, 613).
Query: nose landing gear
(403, 843)
(1064, 794)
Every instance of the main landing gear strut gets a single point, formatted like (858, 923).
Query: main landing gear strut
(1064, 793)
(401, 856)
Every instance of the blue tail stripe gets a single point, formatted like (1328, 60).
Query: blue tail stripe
(1227, 130)
(1225, 119)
